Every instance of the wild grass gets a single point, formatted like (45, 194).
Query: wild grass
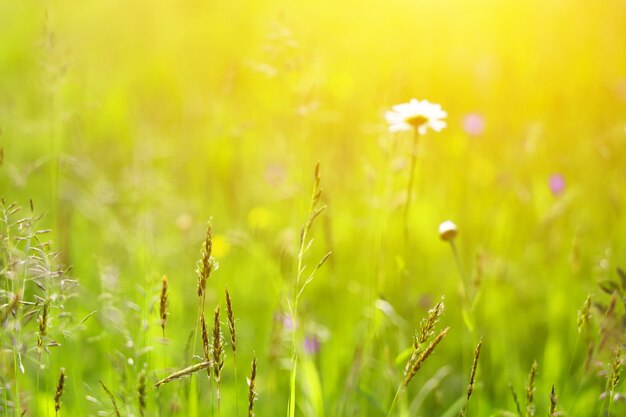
(59, 392)
(470, 387)
(116, 146)
(163, 304)
(302, 280)
(252, 395)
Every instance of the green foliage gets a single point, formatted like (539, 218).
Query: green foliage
(129, 139)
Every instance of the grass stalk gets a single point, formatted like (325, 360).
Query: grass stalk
(470, 387)
(409, 188)
(116, 410)
(518, 406)
(233, 343)
(414, 364)
(190, 370)
(301, 282)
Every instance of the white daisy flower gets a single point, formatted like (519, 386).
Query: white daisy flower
(419, 115)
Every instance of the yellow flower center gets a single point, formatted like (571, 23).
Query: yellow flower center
(416, 121)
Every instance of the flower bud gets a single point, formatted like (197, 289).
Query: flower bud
(448, 231)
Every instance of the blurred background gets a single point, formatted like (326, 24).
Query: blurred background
(130, 125)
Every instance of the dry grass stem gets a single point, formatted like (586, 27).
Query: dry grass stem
(184, 372)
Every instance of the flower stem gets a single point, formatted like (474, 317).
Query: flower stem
(464, 281)
(409, 189)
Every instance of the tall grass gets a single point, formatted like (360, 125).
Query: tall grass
(125, 139)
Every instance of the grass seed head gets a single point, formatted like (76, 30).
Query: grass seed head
(231, 322)
(163, 304)
(615, 369)
(206, 264)
(13, 304)
(584, 314)
(59, 391)
(218, 345)
(43, 319)
(470, 387)
(252, 395)
(185, 372)
(530, 390)
(428, 323)
(553, 400)
(419, 361)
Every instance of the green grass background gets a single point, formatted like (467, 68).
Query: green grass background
(130, 124)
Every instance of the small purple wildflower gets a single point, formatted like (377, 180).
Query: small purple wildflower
(311, 345)
(556, 184)
(285, 320)
(288, 322)
(474, 124)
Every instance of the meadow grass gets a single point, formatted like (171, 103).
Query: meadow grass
(117, 145)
